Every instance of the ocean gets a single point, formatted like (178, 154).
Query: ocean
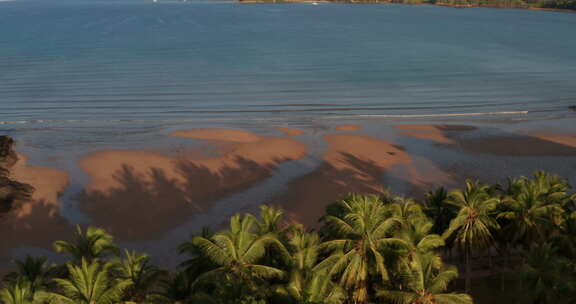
(74, 63)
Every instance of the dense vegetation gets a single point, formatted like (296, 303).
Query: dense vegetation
(368, 249)
(11, 192)
(548, 4)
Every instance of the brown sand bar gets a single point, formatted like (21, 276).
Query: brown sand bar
(436, 133)
(348, 128)
(34, 220)
(521, 145)
(48, 183)
(352, 163)
(559, 138)
(139, 194)
(291, 131)
(229, 135)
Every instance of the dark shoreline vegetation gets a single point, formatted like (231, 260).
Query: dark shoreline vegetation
(12, 192)
(527, 4)
(367, 249)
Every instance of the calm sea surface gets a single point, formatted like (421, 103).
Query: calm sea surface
(103, 62)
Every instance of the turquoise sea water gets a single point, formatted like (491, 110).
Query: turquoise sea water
(77, 63)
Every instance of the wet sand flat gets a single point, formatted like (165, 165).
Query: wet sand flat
(352, 163)
(35, 223)
(129, 188)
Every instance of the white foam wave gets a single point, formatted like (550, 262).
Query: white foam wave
(444, 114)
(43, 121)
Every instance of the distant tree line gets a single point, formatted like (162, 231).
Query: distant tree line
(368, 249)
(548, 4)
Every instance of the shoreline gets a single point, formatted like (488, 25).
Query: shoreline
(128, 187)
(559, 10)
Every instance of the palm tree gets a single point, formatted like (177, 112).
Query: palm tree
(237, 253)
(437, 208)
(137, 269)
(176, 289)
(473, 225)
(20, 291)
(360, 244)
(529, 211)
(307, 285)
(547, 277)
(425, 282)
(418, 239)
(95, 243)
(36, 271)
(196, 263)
(270, 220)
(89, 283)
(405, 210)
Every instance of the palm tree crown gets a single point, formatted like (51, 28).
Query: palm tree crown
(93, 244)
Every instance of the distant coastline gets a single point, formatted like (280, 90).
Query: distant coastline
(547, 5)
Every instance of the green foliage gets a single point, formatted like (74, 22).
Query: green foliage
(360, 245)
(425, 282)
(89, 283)
(547, 277)
(20, 291)
(93, 244)
(142, 275)
(369, 249)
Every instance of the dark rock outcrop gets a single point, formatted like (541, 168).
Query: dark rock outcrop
(11, 192)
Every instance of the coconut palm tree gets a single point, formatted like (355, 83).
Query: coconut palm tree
(529, 212)
(237, 253)
(89, 283)
(437, 209)
(270, 220)
(142, 275)
(197, 263)
(406, 210)
(418, 239)
(93, 244)
(360, 244)
(425, 282)
(176, 289)
(20, 291)
(475, 222)
(307, 285)
(34, 270)
(547, 277)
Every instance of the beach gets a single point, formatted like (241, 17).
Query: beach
(153, 198)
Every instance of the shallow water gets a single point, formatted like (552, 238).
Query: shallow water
(85, 62)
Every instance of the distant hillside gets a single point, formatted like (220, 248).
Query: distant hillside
(534, 4)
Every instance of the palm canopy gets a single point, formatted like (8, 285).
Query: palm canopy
(425, 282)
(35, 270)
(306, 284)
(360, 244)
(419, 239)
(547, 277)
(142, 275)
(475, 221)
(437, 209)
(237, 252)
(20, 291)
(89, 283)
(530, 209)
(93, 244)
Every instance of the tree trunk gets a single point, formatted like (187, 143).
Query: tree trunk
(490, 259)
(468, 272)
